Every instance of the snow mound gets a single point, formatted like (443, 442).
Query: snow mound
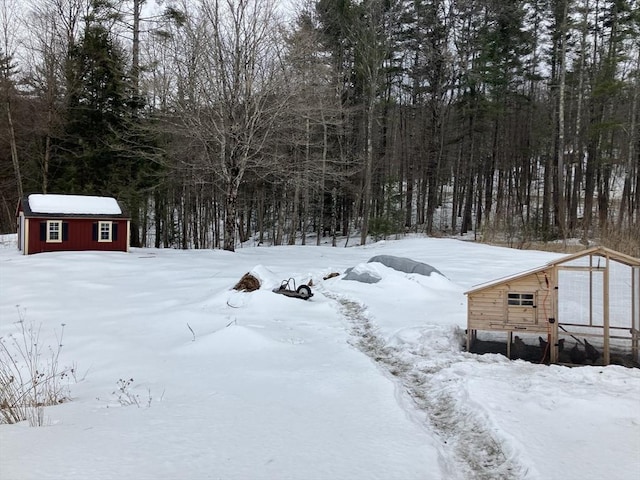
(365, 273)
(268, 279)
(371, 272)
(233, 339)
(405, 265)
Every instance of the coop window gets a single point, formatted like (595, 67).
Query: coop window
(54, 231)
(520, 299)
(104, 231)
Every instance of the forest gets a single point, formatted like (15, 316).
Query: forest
(218, 122)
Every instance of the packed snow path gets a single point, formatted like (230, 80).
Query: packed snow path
(469, 449)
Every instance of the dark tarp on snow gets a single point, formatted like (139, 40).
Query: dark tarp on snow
(401, 264)
(405, 265)
(364, 277)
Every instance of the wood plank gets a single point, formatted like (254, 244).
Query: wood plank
(490, 312)
(493, 294)
(582, 268)
(489, 306)
(487, 301)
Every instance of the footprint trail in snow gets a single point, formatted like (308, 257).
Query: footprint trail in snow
(469, 448)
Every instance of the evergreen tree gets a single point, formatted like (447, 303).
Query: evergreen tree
(106, 146)
(96, 111)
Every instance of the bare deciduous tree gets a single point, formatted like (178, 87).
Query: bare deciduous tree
(238, 91)
(8, 21)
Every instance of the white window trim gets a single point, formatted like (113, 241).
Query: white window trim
(54, 240)
(100, 239)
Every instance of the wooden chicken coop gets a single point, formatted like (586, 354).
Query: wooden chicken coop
(593, 294)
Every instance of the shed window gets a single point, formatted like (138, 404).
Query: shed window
(54, 231)
(520, 299)
(104, 231)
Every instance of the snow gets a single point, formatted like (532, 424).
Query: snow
(362, 381)
(73, 204)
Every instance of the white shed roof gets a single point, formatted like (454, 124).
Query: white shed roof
(74, 204)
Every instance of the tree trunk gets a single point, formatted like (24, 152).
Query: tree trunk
(230, 213)
(560, 195)
(626, 203)
(14, 150)
(368, 170)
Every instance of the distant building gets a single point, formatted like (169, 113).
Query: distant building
(54, 223)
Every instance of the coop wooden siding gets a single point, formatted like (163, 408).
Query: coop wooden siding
(79, 236)
(530, 284)
(488, 308)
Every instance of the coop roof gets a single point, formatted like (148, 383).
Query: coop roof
(36, 205)
(594, 251)
(507, 279)
(601, 252)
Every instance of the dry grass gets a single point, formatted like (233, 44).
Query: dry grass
(627, 242)
(30, 379)
(556, 247)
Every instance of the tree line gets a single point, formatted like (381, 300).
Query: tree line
(221, 121)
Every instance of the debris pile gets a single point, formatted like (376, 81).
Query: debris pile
(248, 283)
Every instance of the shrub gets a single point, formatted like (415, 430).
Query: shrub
(30, 376)
(125, 395)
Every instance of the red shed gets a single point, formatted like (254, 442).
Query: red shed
(54, 223)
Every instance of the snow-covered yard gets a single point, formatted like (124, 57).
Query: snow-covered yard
(362, 381)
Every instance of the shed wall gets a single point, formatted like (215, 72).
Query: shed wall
(80, 236)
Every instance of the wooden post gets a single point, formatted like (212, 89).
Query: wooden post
(590, 290)
(553, 309)
(635, 313)
(509, 339)
(605, 309)
(472, 334)
(469, 331)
